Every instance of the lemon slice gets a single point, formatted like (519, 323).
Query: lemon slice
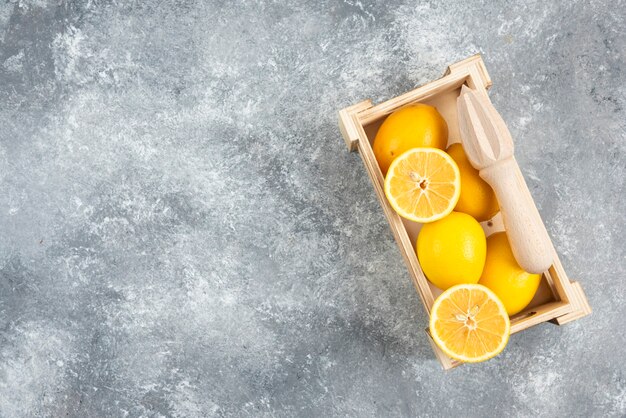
(423, 184)
(469, 323)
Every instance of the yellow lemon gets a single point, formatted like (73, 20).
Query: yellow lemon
(505, 277)
(452, 250)
(469, 323)
(423, 184)
(413, 126)
(477, 198)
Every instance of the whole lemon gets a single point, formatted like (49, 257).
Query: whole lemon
(504, 277)
(452, 250)
(477, 197)
(414, 126)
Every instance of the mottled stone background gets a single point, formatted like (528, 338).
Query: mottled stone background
(184, 234)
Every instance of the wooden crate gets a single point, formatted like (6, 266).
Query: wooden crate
(557, 300)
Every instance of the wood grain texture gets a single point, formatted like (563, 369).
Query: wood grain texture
(489, 147)
(347, 123)
(581, 306)
(527, 236)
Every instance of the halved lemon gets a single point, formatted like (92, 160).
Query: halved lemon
(469, 323)
(423, 184)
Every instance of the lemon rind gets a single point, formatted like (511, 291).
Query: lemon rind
(452, 202)
(441, 344)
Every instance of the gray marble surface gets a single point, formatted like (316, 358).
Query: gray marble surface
(183, 232)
